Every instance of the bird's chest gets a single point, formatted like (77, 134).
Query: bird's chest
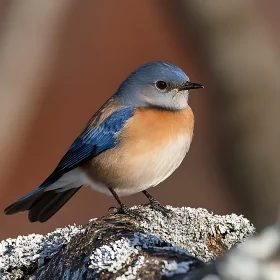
(151, 166)
(151, 146)
(158, 136)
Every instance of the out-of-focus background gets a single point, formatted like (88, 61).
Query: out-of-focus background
(61, 60)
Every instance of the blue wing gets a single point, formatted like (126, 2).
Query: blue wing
(91, 142)
(95, 139)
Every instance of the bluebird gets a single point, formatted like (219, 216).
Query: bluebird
(137, 139)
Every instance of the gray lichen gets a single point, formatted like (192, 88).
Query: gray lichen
(25, 252)
(190, 228)
(115, 255)
(256, 259)
(120, 247)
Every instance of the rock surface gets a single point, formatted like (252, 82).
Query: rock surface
(120, 247)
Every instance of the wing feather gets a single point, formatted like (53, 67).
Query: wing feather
(94, 140)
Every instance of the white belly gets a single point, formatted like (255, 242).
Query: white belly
(134, 173)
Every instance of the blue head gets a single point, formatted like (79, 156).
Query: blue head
(157, 84)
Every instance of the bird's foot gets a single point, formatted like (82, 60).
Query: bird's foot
(154, 204)
(125, 210)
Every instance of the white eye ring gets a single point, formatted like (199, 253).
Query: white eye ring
(161, 85)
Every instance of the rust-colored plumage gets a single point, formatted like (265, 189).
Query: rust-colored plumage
(152, 145)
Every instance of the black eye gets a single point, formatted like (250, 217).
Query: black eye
(161, 85)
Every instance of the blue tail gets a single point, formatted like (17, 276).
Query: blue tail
(41, 204)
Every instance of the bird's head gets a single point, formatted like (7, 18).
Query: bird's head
(157, 84)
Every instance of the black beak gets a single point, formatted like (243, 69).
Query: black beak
(190, 85)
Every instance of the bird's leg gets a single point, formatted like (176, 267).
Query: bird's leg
(123, 208)
(156, 205)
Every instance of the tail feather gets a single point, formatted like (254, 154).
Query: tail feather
(41, 204)
(47, 206)
(24, 203)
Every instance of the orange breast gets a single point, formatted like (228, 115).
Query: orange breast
(152, 145)
(153, 126)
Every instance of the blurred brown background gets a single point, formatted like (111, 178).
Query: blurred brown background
(61, 60)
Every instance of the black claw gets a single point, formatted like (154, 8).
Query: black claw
(125, 210)
(115, 210)
(154, 204)
(158, 207)
(131, 213)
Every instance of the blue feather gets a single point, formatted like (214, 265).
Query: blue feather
(91, 142)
